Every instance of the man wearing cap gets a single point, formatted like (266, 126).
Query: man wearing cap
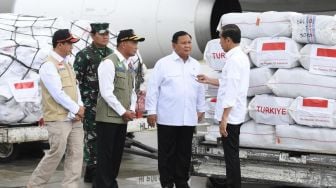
(62, 112)
(115, 107)
(86, 65)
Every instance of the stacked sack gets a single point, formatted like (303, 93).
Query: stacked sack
(25, 42)
(293, 82)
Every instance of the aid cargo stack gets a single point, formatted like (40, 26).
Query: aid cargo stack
(25, 42)
(289, 133)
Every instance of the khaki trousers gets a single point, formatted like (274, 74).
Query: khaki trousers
(64, 138)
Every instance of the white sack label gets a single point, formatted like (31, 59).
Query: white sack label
(270, 110)
(280, 52)
(24, 90)
(271, 53)
(315, 112)
(323, 61)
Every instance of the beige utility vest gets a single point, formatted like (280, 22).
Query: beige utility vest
(52, 111)
(123, 86)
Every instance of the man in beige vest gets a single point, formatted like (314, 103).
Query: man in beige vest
(62, 112)
(115, 107)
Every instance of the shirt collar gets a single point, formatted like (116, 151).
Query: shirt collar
(232, 51)
(119, 55)
(95, 47)
(58, 57)
(177, 57)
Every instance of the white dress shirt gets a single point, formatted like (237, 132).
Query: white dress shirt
(52, 81)
(173, 93)
(106, 73)
(233, 86)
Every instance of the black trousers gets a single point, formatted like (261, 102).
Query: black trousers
(231, 156)
(174, 154)
(110, 146)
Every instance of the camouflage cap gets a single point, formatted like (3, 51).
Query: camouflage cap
(100, 28)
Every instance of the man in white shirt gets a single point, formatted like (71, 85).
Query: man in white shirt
(62, 112)
(115, 107)
(176, 102)
(231, 99)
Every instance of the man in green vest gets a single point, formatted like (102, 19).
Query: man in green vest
(115, 107)
(86, 65)
(62, 112)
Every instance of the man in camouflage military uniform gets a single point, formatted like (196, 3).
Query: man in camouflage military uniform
(86, 65)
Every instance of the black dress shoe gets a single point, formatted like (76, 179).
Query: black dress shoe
(90, 173)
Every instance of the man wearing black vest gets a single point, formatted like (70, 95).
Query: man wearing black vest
(115, 107)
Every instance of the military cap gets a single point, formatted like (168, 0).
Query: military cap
(100, 28)
(128, 34)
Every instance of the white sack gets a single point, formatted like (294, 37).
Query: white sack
(257, 135)
(210, 90)
(318, 29)
(299, 82)
(319, 59)
(212, 133)
(214, 55)
(254, 25)
(258, 81)
(211, 107)
(270, 110)
(313, 111)
(278, 52)
(306, 139)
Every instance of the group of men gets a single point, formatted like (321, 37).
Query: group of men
(98, 93)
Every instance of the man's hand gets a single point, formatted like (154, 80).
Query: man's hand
(201, 78)
(128, 116)
(151, 120)
(80, 112)
(200, 116)
(222, 128)
(78, 118)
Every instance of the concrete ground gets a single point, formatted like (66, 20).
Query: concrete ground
(135, 171)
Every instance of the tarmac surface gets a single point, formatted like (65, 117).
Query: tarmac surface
(135, 171)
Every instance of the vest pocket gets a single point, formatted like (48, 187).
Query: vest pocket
(120, 80)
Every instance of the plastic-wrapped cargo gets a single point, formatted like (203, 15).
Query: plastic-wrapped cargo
(254, 135)
(306, 139)
(258, 81)
(314, 112)
(214, 55)
(254, 24)
(25, 42)
(275, 52)
(319, 59)
(271, 110)
(297, 82)
(314, 29)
